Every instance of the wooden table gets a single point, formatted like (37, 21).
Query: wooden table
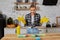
(48, 36)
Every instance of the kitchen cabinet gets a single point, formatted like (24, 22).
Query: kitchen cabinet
(9, 31)
(23, 30)
(13, 31)
(53, 30)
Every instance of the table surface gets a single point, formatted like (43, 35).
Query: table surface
(48, 36)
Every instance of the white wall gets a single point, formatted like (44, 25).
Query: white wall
(50, 11)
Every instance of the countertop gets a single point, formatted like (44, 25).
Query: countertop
(39, 27)
(48, 36)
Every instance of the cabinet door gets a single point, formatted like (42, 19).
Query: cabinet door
(9, 31)
(53, 30)
(13, 31)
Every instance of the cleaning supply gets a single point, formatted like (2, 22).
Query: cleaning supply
(21, 36)
(33, 36)
(29, 30)
(18, 28)
(21, 19)
(38, 38)
(32, 30)
(48, 24)
(44, 20)
(41, 35)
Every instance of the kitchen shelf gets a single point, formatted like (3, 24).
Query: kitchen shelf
(23, 9)
(25, 3)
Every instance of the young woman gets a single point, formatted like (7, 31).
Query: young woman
(33, 18)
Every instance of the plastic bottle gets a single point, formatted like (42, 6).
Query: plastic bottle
(18, 28)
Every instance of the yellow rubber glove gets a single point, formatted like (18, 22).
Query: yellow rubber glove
(21, 19)
(44, 20)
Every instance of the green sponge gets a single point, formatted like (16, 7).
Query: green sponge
(21, 36)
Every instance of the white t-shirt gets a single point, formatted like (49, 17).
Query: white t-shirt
(32, 19)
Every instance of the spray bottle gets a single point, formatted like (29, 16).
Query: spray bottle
(18, 29)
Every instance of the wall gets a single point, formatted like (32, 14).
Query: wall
(50, 11)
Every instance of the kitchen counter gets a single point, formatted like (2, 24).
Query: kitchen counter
(48, 36)
(41, 30)
(23, 30)
(39, 27)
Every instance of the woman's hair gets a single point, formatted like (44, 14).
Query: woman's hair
(33, 5)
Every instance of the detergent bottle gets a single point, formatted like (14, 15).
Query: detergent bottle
(18, 29)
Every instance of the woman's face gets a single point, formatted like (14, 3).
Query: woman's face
(33, 10)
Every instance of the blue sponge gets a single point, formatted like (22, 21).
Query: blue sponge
(38, 38)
